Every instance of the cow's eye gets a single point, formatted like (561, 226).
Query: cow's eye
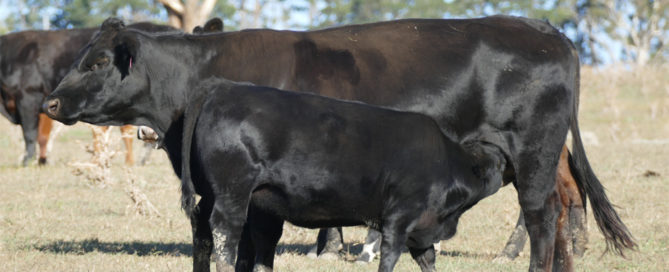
(99, 63)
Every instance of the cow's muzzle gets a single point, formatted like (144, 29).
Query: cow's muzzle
(147, 134)
(51, 107)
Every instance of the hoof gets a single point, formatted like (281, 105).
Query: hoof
(328, 256)
(41, 161)
(261, 268)
(502, 260)
(313, 253)
(364, 258)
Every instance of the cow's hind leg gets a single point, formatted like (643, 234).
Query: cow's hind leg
(563, 257)
(202, 239)
(578, 227)
(425, 257)
(328, 244)
(516, 242)
(371, 248)
(127, 133)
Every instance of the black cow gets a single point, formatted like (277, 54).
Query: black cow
(31, 65)
(502, 81)
(572, 229)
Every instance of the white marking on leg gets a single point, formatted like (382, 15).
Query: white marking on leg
(219, 245)
(369, 249)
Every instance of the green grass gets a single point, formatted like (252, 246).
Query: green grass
(51, 220)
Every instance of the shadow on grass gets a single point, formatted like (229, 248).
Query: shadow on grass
(186, 249)
(155, 248)
(465, 254)
(132, 248)
(303, 249)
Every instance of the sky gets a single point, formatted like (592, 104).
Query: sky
(297, 18)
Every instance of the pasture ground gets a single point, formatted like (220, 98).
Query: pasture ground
(51, 220)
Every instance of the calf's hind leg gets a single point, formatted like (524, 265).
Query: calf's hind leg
(227, 223)
(265, 230)
(202, 239)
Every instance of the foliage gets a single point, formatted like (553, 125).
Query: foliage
(90, 13)
(605, 31)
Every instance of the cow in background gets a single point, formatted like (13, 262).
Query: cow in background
(32, 63)
(575, 225)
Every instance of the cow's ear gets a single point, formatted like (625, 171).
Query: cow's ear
(125, 52)
(28, 53)
(213, 25)
(197, 30)
(112, 24)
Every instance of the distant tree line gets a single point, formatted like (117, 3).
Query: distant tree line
(605, 31)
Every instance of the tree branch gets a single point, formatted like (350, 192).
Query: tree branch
(174, 5)
(206, 8)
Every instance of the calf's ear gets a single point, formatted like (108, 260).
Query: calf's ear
(213, 25)
(125, 53)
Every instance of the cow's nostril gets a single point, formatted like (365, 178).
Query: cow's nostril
(52, 106)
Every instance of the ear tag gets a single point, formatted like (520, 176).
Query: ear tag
(130, 66)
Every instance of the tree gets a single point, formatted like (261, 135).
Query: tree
(188, 14)
(91, 13)
(641, 26)
(338, 12)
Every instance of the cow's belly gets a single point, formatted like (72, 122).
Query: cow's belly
(311, 209)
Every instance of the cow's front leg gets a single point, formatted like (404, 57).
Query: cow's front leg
(29, 123)
(425, 257)
(202, 240)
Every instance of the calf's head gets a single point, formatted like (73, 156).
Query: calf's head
(104, 85)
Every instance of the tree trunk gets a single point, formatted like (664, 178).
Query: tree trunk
(189, 15)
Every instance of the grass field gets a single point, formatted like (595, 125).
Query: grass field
(51, 220)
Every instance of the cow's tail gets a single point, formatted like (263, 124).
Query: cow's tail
(187, 187)
(614, 230)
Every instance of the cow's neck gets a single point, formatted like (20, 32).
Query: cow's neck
(171, 79)
(263, 57)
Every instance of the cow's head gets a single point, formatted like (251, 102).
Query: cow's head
(104, 85)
